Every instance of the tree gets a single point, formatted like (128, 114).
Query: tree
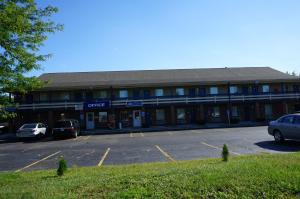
(23, 29)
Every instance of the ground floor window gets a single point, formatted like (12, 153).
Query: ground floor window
(102, 117)
(234, 111)
(268, 111)
(215, 112)
(124, 118)
(180, 115)
(160, 116)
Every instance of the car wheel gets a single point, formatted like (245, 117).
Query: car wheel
(278, 136)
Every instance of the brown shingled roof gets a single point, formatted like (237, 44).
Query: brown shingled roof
(167, 77)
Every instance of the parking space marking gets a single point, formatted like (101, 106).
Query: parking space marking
(165, 154)
(218, 148)
(88, 153)
(103, 157)
(131, 135)
(77, 138)
(142, 134)
(170, 133)
(85, 138)
(34, 163)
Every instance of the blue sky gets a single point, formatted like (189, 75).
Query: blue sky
(158, 34)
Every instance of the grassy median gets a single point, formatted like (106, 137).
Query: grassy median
(254, 176)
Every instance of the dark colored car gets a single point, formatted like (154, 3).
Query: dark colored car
(67, 127)
(286, 127)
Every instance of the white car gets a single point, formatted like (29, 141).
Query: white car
(32, 130)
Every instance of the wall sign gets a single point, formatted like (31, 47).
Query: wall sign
(97, 105)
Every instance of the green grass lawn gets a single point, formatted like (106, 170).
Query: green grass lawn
(254, 176)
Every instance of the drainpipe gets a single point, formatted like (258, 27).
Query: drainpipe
(229, 104)
(112, 107)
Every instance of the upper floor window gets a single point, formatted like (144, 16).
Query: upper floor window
(179, 91)
(43, 97)
(123, 93)
(213, 90)
(65, 96)
(159, 92)
(100, 94)
(265, 88)
(233, 89)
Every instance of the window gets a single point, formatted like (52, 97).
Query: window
(78, 96)
(124, 118)
(297, 120)
(287, 120)
(123, 94)
(100, 94)
(265, 88)
(179, 91)
(43, 97)
(213, 90)
(102, 117)
(215, 112)
(268, 110)
(160, 115)
(64, 96)
(159, 92)
(180, 114)
(234, 111)
(233, 89)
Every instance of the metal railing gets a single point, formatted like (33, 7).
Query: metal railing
(169, 100)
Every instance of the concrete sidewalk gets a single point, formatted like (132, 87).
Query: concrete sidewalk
(169, 128)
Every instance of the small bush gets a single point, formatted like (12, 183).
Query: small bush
(225, 153)
(62, 167)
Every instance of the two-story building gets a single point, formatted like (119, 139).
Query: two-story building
(162, 97)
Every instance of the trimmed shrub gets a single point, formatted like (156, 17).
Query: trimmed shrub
(62, 167)
(225, 153)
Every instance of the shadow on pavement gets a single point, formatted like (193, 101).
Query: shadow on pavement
(286, 146)
(11, 138)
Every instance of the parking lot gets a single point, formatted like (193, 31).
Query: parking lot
(115, 149)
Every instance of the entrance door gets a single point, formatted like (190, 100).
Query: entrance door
(137, 119)
(90, 124)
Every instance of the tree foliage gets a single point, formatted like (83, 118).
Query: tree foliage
(23, 29)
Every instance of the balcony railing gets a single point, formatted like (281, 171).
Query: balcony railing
(170, 100)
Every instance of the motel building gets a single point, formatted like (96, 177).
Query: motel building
(147, 98)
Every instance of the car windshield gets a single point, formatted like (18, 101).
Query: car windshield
(60, 124)
(28, 126)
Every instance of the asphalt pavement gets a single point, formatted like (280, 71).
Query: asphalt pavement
(137, 147)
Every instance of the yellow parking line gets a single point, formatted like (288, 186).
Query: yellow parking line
(103, 157)
(34, 163)
(165, 154)
(142, 134)
(218, 148)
